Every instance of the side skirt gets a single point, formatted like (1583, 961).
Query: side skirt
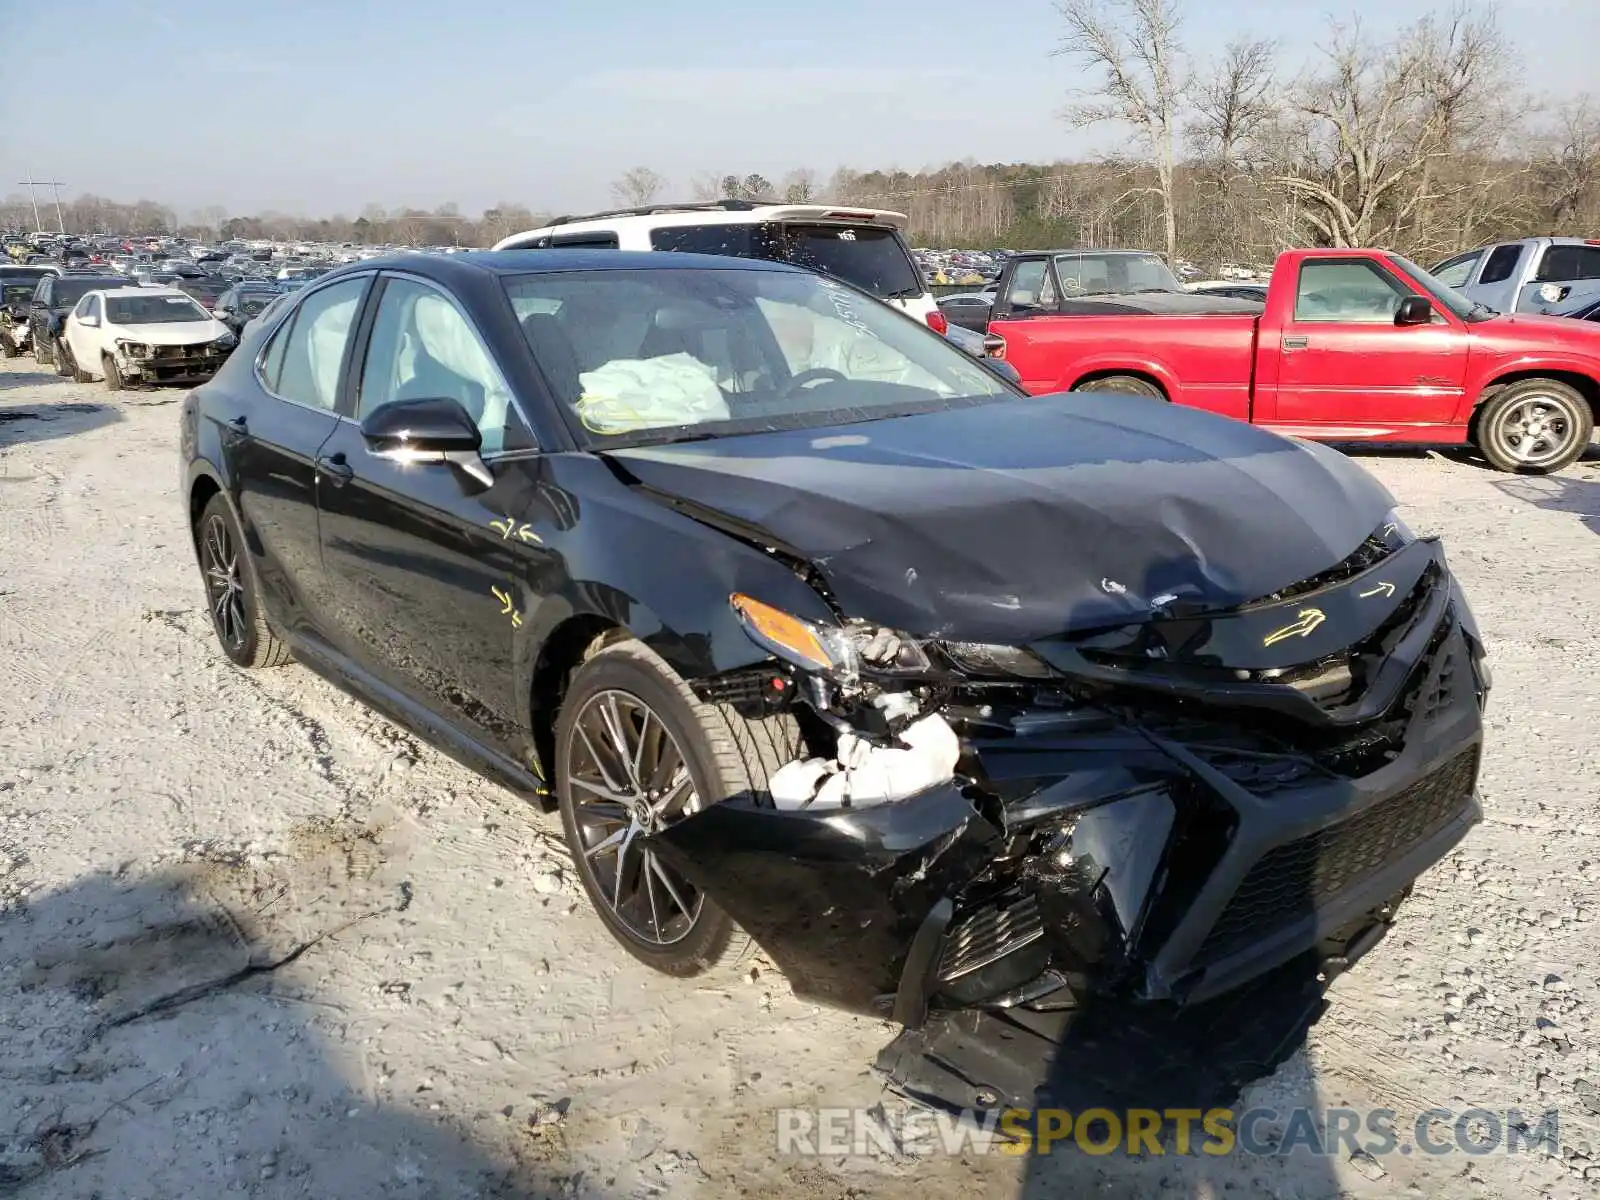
(338, 670)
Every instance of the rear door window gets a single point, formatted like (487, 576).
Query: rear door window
(733, 241)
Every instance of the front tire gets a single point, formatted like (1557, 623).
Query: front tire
(1123, 385)
(64, 359)
(637, 751)
(1534, 427)
(113, 374)
(233, 596)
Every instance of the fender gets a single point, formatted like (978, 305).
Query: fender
(1123, 363)
(1540, 362)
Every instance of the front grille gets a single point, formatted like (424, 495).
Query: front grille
(1365, 556)
(1291, 881)
(989, 934)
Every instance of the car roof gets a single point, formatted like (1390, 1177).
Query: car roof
(661, 216)
(526, 262)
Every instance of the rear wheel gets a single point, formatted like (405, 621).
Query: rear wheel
(233, 596)
(637, 751)
(1534, 427)
(41, 352)
(1123, 385)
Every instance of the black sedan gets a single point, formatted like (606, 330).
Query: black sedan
(819, 631)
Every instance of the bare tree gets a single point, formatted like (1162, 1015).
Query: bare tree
(1233, 105)
(637, 187)
(1133, 44)
(800, 185)
(1378, 127)
(705, 186)
(1568, 169)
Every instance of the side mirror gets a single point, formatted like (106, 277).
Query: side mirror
(1413, 310)
(428, 430)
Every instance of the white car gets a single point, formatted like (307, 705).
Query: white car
(143, 335)
(862, 246)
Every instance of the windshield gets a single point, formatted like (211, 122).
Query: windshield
(16, 293)
(656, 355)
(68, 292)
(251, 303)
(1467, 310)
(152, 310)
(1113, 274)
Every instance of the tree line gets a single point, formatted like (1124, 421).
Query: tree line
(1425, 141)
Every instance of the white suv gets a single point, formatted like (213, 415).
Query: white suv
(862, 246)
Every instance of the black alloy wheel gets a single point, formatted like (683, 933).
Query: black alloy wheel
(629, 779)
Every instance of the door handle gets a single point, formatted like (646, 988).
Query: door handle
(1296, 343)
(334, 466)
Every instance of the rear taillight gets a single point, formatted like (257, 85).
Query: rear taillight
(938, 322)
(994, 346)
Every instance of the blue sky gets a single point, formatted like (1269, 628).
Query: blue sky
(320, 107)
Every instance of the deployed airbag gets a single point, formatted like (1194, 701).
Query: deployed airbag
(862, 774)
(649, 393)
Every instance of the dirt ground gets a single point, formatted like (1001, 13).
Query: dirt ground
(255, 939)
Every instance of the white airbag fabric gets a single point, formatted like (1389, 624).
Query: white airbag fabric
(649, 393)
(862, 774)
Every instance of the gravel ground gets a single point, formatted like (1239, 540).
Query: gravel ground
(255, 939)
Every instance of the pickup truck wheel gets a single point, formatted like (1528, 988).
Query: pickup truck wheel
(1123, 385)
(1535, 427)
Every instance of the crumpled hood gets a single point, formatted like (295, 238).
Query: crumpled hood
(1016, 521)
(172, 333)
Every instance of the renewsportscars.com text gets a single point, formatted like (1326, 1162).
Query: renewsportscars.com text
(1378, 1132)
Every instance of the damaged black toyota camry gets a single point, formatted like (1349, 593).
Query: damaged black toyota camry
(821, 633)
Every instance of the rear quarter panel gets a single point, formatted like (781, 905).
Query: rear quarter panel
(1201, 360)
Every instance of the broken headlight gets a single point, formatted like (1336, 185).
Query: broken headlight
(839, 651)
(845, 651)
(133, 349)
(980, 658)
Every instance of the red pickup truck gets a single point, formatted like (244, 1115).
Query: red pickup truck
(1350, 345)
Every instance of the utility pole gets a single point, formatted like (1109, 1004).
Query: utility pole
(61, 221)
(38, 226)
(56, 185)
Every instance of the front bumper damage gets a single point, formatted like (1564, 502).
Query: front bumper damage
(1166, 824)
(171, 364)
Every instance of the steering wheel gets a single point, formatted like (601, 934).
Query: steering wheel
(812, 375)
